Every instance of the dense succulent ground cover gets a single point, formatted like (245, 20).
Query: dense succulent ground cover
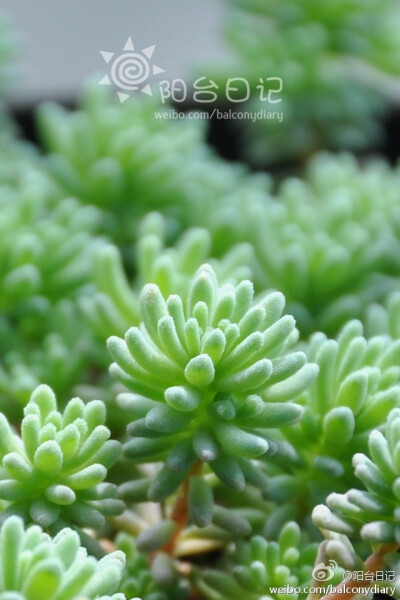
(200, 366)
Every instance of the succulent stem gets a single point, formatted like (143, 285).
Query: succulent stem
(180, 511)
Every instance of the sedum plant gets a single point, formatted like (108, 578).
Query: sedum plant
(238, 422)
(261, 568)
(370, 513)
(127, 162)
(115, 306)
(339, 63)
(54, 472)
(35, 566)
(368, 516)
(382, 319)
(210, 377)
(331, 242)
(46, 254)
(60, 359)
(158, 582)
(45, 250)
(357, 387)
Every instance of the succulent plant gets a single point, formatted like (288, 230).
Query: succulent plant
(261, 568)
(371, 513)
(158, 582)
(63, 356)
(34, 566)
(124, 160)
(115, 306)
(45, 254)
(357, 387)
(25, 367)
(54, 473)
(209, 377)
(339, 63)
(383, 319)
(331, 244)
(235, 427)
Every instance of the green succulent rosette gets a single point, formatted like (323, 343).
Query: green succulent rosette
(260, 569)
(34, 566)
(115, 306)
(372, 513)
(54, 472)
(331, 243)
(357, 387)
(210, 377)
(127, 162)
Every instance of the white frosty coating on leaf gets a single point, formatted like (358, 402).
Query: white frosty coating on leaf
(48, 565)
(204, 363)
(61, 478)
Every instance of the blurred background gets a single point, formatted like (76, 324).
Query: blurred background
(328, 100)
(61, 41)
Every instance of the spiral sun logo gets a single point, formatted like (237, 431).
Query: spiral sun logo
(130, 70)
(323, 572)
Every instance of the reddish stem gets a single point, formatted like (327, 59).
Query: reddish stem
(180, 511)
